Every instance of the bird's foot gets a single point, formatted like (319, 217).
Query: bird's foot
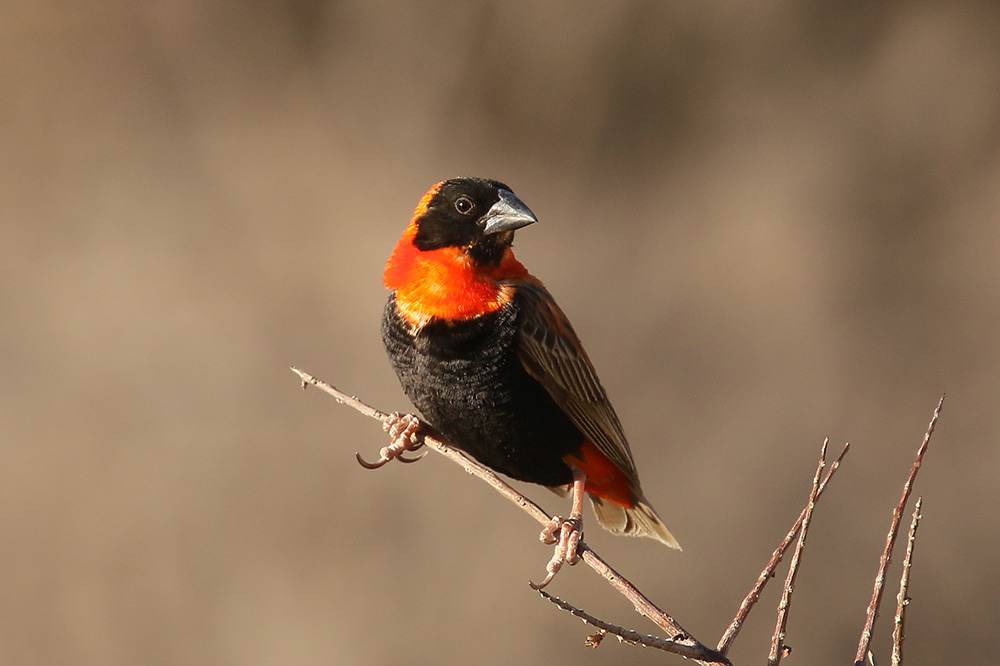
(404, 432)
(566, 535)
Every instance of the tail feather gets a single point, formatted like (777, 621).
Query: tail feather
(640, 520)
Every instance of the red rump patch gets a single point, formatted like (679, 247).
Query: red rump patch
(604, 479)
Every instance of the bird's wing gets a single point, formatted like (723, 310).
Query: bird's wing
(551, 352)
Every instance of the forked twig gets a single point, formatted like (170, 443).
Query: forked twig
(778, 649)
(890, 540)
(682, 642)
(902, 599)
(768, 573)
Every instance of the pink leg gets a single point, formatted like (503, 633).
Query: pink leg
(570, 532)
(404, 432)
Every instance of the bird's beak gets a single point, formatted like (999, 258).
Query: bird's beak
(507, 214)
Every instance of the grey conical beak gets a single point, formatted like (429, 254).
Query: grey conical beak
(507, 214)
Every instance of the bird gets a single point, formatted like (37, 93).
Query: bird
(489, 359)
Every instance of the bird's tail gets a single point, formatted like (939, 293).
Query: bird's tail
(640, 520)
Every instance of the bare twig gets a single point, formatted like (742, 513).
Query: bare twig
(890, 540)
(681, 642)
(754, 595)
(349, 400)
(778, 640)
(686, 645)
(902, 600)
(623, 634)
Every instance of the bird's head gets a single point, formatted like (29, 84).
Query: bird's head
(476, 215)
(455, 253)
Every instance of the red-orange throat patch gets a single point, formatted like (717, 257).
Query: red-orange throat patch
(445, 283)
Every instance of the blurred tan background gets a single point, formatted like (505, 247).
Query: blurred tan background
(769, 223)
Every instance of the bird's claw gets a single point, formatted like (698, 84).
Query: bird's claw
(403, 429)
(567, 545)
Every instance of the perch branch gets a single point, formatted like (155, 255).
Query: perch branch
(768, 573)
(902, 600)
(890, 540)
(681, 642)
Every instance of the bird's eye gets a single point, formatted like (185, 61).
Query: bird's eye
(463, 205)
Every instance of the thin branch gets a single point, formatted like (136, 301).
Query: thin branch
(623, 634)
(343, 398)
(768, 573)
(682, 642)
(778, 640)
(890, 540)
(902, 600)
